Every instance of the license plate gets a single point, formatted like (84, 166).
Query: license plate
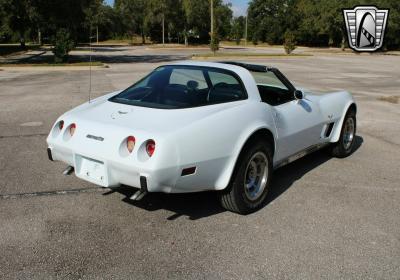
(93, 169)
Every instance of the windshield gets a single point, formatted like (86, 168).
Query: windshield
(177, 86)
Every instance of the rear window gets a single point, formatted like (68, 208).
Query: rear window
(174, 87)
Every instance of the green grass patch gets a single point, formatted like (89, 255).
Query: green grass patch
(241, 54)
(135, 40)
(249, 44)
(94, 63)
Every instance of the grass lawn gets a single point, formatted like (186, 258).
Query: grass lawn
(249, 44)
(247, 55)
(94, 63)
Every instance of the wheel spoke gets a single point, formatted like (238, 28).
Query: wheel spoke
(348, 133)
(256, 176)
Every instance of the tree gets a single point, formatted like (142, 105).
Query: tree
(238, 28)
(62, 46)
(162, 19)
(5, 31)
(95, 16)
(268, 20)
(111, 24)
(392, 38)
(197, 19)
(321, 23)
(223, 19)
(19, 15)
(289, 43)
(64, 14)
(133, 15)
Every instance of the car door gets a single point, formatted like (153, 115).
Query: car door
(298, 121)
(298, 124)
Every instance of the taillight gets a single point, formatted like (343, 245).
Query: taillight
(60, 125)
(130, 143)
(72, 128)
(150, 147)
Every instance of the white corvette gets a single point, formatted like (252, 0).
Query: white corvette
(197, 126)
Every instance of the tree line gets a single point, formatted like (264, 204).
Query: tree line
(185, 21)
(307, 22)
(313, 22)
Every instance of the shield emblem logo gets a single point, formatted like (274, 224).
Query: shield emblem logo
(365, 27)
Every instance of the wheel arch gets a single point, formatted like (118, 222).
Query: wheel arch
(264, 133)
(350, 106)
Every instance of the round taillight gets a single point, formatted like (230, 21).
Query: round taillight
(72, 129)
(60, 125)
(130, 143)
(150, 147)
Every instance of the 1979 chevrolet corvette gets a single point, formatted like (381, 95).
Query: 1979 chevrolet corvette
(197, 126)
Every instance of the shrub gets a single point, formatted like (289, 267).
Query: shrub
(214, 44)
(289, 43)
(343, 44)
(254, 39)
(63, 44)
(237, 40)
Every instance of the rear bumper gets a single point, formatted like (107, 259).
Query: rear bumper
(110, 173)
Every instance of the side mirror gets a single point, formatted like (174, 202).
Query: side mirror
(298, 94)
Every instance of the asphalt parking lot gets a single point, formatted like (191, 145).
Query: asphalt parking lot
(326, 218)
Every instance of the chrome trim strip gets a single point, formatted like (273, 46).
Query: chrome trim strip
(300, 154)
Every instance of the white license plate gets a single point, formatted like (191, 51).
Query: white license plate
(93, 169)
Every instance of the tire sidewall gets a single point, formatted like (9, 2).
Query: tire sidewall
(349, 150)
(246, 205)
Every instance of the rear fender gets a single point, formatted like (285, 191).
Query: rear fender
(226, 175)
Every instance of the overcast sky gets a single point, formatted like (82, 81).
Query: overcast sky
(238, 6)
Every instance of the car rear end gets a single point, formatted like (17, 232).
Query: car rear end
(109, 155)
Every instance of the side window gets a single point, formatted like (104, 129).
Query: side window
(225, 88)
(188, 77)
(271, 89)
(268, 79)
(217, 77)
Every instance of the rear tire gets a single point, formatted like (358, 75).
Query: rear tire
(251, 179)
(345, 146)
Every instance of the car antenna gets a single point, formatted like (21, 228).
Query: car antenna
(90, 60)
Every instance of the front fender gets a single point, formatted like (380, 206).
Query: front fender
(349, 101)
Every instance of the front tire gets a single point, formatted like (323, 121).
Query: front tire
(345, 146)
(250, 180)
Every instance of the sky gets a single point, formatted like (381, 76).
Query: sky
(238, 6)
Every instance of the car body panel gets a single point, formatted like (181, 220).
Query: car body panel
(209, 138)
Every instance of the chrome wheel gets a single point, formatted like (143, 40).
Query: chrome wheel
(348, 133)
(256, 176)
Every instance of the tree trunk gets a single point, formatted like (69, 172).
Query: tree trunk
(163, 31)
(245, 32)
(39, 37)
(343, 42)
(186, 38)
(97, 35)
(22, 42)
(143, 38)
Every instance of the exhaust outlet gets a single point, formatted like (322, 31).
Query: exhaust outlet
(68, 170)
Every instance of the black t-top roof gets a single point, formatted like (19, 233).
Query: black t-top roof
(250, 67)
